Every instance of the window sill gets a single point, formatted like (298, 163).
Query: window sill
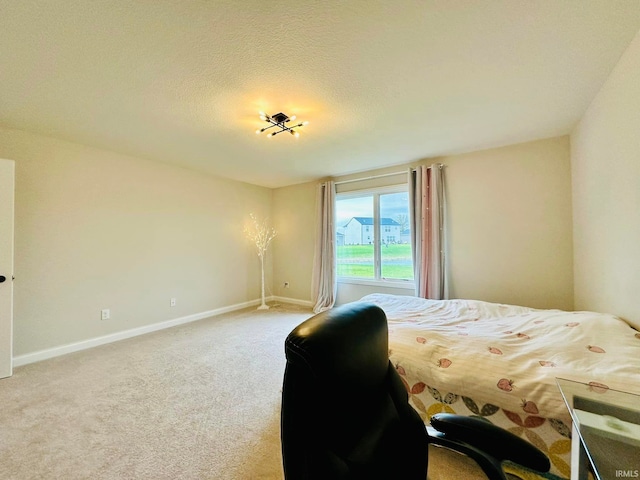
(400, 284)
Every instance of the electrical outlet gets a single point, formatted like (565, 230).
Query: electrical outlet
(105, 314)
(286, 284)
(173, 302)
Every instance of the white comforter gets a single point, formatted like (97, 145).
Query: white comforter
(507, 355)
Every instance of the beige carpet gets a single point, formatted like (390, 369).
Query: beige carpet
(199, 401)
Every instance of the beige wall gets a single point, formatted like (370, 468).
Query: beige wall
(605, 160)
(509, 213)
(509, 220)
(293, 249)
(96, 230)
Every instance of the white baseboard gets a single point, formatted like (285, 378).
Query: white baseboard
(134, 332)
(295, 301)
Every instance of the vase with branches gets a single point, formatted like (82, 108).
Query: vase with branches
(261, 235)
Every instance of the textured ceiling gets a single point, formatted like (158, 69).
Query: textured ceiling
(381, 82)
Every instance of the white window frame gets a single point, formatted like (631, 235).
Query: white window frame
(377, 256)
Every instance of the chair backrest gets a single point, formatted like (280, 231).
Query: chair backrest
(345, 411)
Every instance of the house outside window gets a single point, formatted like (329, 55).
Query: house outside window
(384, 256)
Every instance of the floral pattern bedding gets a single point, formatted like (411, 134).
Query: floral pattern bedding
(502, 361)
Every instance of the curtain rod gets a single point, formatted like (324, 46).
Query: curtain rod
(371, 177)
(382, 175)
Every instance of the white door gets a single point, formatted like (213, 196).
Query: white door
(7, 169)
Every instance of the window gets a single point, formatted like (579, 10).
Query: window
(373, 235)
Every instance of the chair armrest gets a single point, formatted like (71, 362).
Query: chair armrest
(493, 440)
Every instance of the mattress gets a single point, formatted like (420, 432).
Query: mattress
(501, 362)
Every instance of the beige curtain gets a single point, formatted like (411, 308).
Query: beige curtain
(427, 211)
(324, 287)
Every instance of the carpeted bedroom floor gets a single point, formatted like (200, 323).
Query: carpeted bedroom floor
(198, 401)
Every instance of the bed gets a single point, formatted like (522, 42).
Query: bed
(501, 362)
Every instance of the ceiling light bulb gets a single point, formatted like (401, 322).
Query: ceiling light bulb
(263, 117)
(271, 135)
(259, 131)
(292, 118)
(296, 134)
(305, 123)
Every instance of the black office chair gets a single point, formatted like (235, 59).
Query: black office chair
(345, 411)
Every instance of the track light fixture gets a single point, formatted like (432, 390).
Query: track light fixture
(279, 121)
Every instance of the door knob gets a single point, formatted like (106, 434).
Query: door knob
(2, 278)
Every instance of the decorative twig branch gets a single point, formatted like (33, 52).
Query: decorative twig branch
(261, 235)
